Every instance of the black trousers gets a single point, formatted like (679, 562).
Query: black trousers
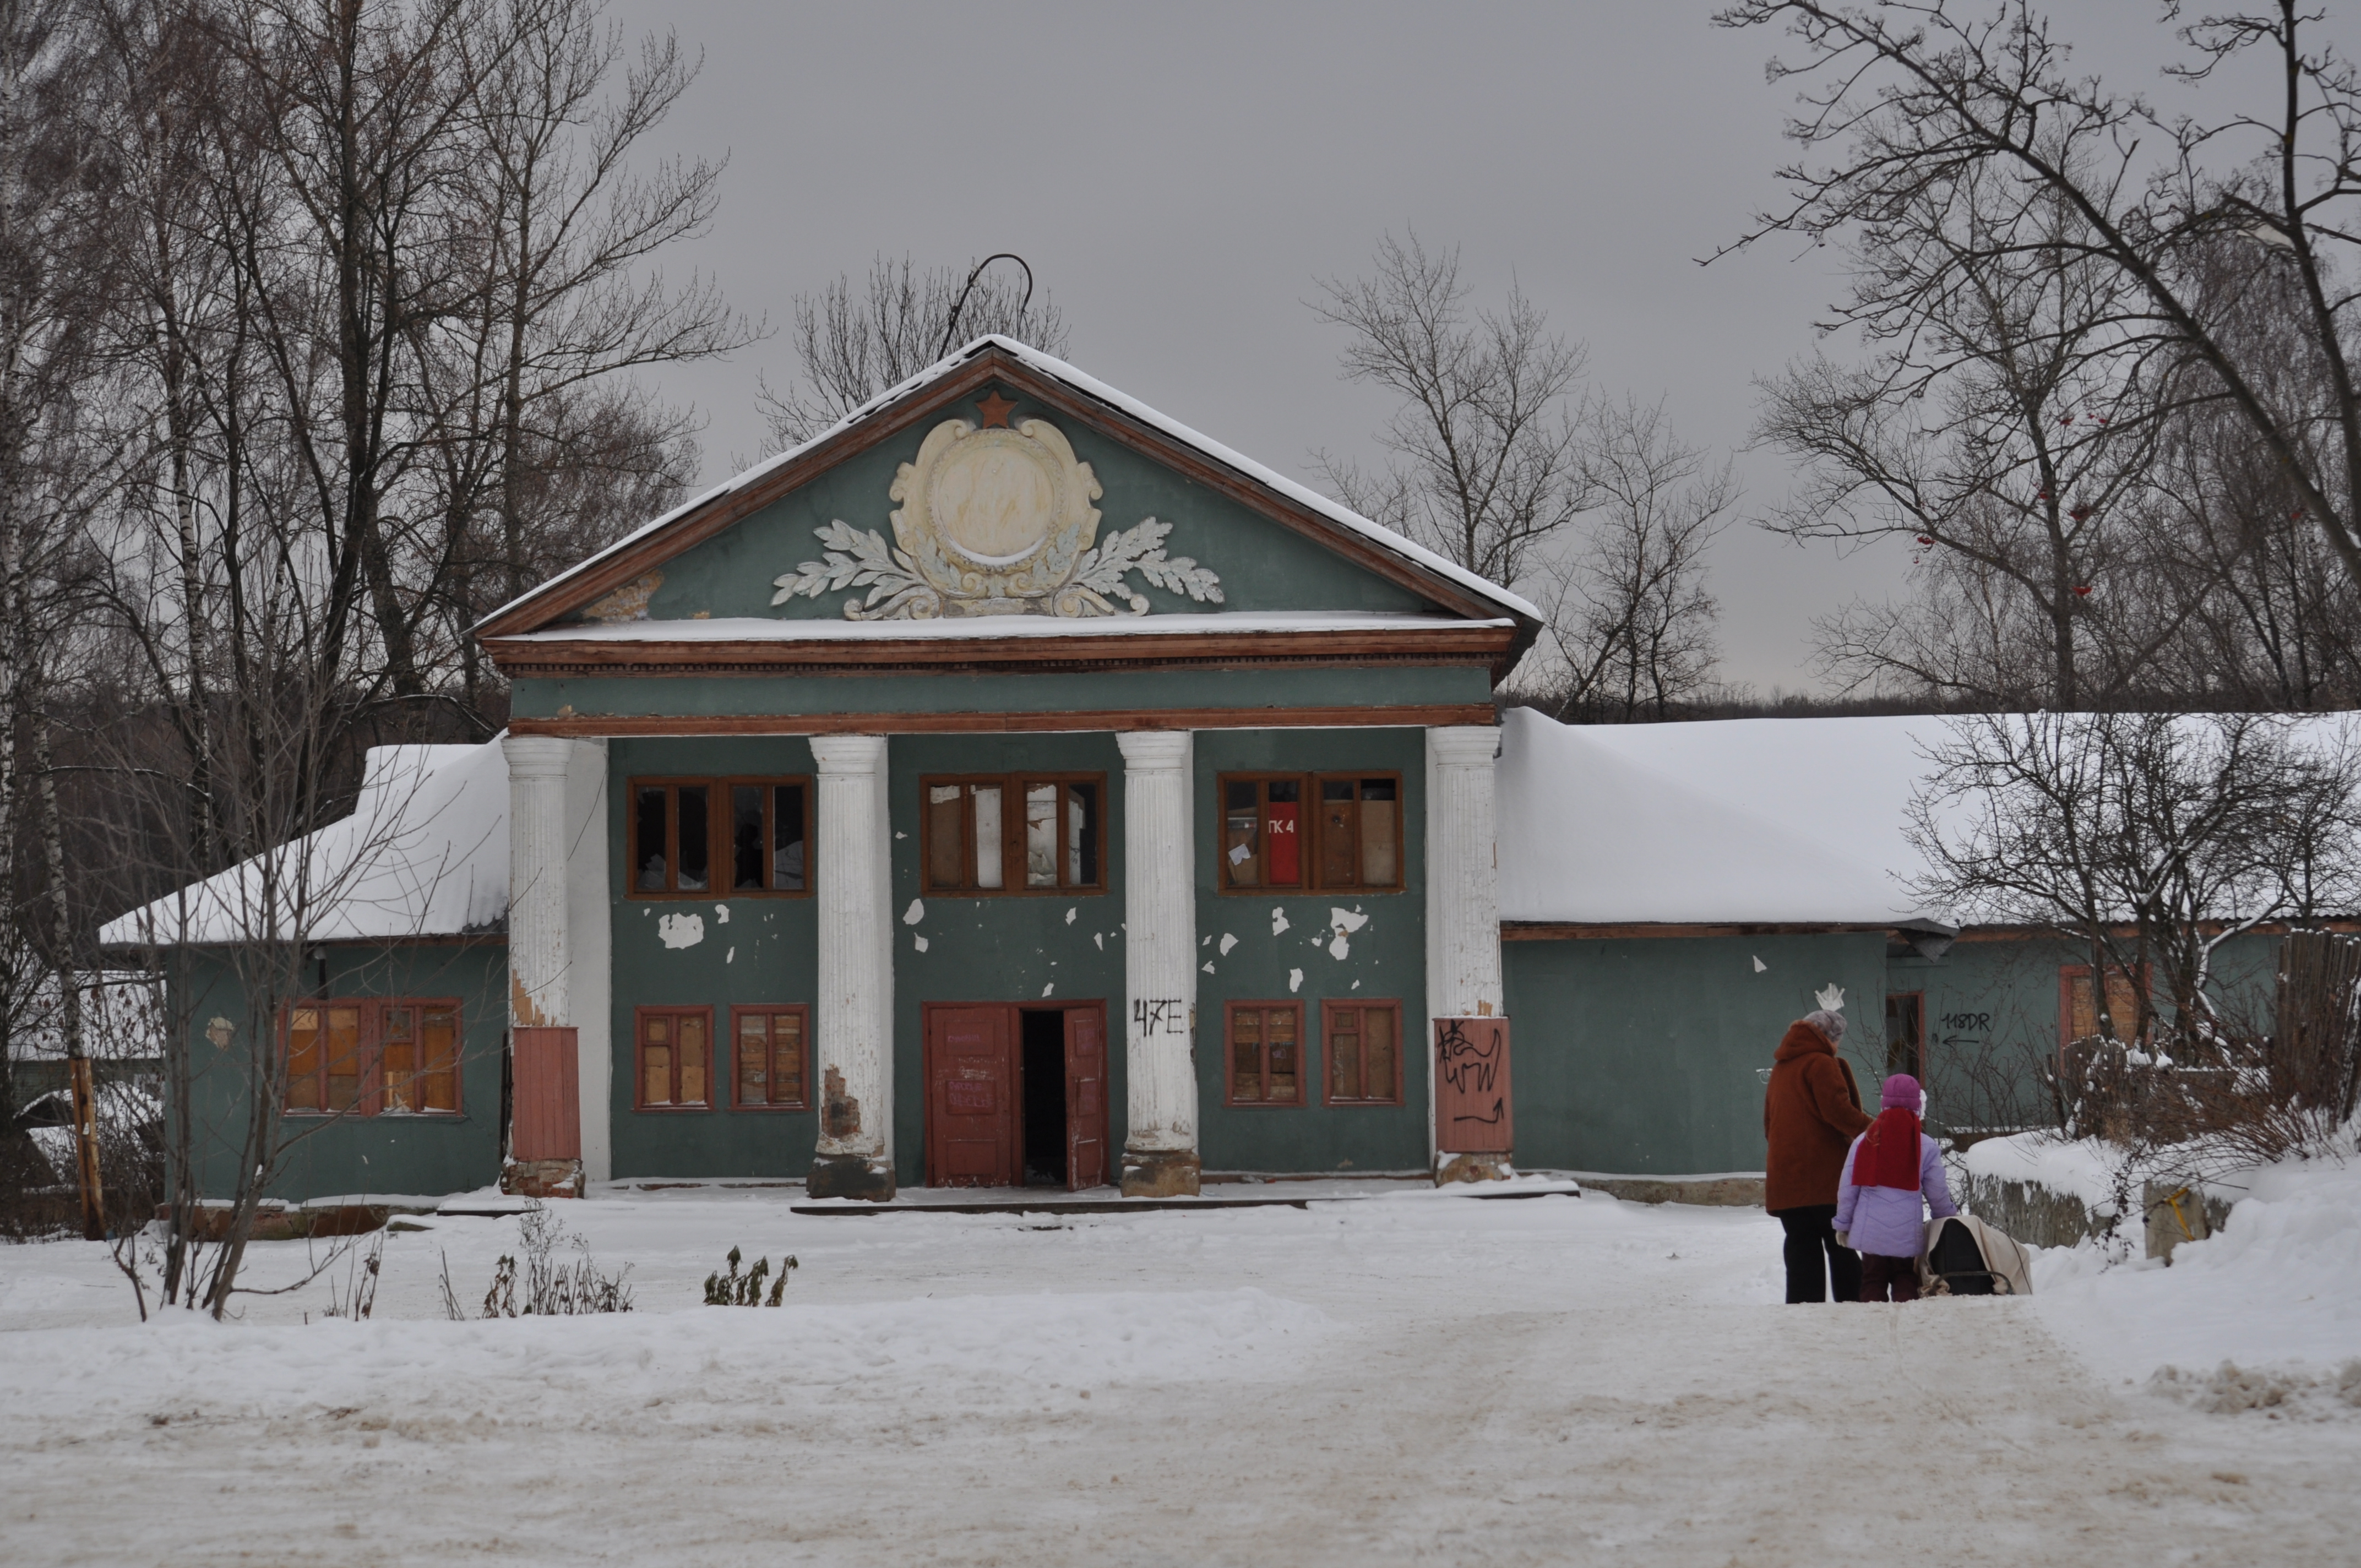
(1810, 1234)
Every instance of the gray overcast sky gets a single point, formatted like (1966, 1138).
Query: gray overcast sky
(1178, 176)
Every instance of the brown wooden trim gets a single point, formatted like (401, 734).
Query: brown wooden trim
(1449, 643)
(1012, 834)
(1304, 1066)
(369, 1102)
(1328, 1049)
(639, 1065)
(539, 609)
(720, 864)
(801, 1011)
(1309, 832)
(1417, 716)
(1575, 931)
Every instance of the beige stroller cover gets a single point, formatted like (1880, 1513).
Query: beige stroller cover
(2010, 1264)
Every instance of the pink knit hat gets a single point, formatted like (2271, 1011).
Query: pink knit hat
(1901, 1093)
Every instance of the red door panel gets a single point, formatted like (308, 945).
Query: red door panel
(1472, 1103)
(970, 1095)
(1086, 1099)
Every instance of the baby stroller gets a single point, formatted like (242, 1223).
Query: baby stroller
(1964, 1256)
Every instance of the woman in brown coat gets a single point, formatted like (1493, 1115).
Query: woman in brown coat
(1811, 1114)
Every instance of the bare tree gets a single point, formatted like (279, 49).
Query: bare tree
(1486, 450)
(1917, 102)
(856, 343)
(1631, 625)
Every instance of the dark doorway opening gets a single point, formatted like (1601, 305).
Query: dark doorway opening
(1905, 1035)
(1043, 1032)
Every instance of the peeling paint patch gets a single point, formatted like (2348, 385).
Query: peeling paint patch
(730, 956)
(1100, 937)
(1071, 912)
(1342, 922)
(919, 942)
(1294, 980)
(839, 1113)
(721, 915)
(1229, 942)
(521, 1007)
(1206, 941)
(1356, 985)
(1759, 965)
(1278, 920)
(681, 930)
(1209, 965)
(1049, 988)
(915, 913)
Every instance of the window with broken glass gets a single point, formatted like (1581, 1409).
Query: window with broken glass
(1314, 832)
(738, 837)
(675, 1058)
(1262, 1053)
(771, 1067)
(1360, 1041)
(1002, 833)
(374, 1057)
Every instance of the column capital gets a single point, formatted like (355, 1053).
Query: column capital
(849, 754)
(1146, 749)
(1464, 745)
(536, 756)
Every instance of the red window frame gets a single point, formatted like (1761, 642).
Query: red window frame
(720, 842)
(801, 1088)
(642, 1045)
(374, 1093)
(1333, 1013)
(1264, 1012)
(1316, 830)
(1015, 872)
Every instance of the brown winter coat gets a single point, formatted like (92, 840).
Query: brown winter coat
(1811, 1114)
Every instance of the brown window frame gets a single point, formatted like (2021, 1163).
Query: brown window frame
(720, 849)
(799, 1011)
(371, 1091)
(1012, 787)
(1305, 1068)
(2068, 973)
(640, 1101)
(1311, 832)
(1329, 1008)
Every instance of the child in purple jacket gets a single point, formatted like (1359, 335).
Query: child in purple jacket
(1889, 1171)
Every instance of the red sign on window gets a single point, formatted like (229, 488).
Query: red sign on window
(1284, 854)
(1471, 1086)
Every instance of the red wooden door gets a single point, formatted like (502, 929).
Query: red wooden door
(545, 1067)
(1086, 1099)
(972, 1095)
(1471, 1087)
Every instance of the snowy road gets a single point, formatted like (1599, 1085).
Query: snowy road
(1402, 1380)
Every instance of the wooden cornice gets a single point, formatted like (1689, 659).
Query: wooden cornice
(539, 610)
(581, 726)
(1447, 642)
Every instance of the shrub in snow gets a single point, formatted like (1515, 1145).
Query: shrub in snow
(736, 1290)
(547, 1289)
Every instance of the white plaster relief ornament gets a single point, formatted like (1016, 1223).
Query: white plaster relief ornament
(995, 521)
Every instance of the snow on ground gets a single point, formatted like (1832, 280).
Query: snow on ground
(1551, 1380)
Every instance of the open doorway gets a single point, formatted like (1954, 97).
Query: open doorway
(1043, 1033)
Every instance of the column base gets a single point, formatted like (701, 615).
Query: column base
(851, 1176)
(1451, 1168)
(1160, 1173)
(541, 1179)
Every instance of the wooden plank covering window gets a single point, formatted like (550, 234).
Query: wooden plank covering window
(770, 1064)
(373, 1057)
(1013, 833)
(1318, 833)
(1361, 1045)
(675, 1058)
(2078, 1007)
(1262, 1053)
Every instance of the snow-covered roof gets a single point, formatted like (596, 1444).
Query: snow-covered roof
(425, 854)
(1089, 386)
(1739, 821)
(760, 629)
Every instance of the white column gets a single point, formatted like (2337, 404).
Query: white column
(1160, 945)
(853, 1029)
(1463, 893)
(589, 947)
(539, 951)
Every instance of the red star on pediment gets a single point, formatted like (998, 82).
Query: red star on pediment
(995, 409)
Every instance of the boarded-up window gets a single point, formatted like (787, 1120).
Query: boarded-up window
(1361, 1044)
(1012, 834)
(1263, 1053)
(768, 1059)
(2079, 1007)
(373, 1058)
(676, 1056)
(747, 837)
(1352, 823)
